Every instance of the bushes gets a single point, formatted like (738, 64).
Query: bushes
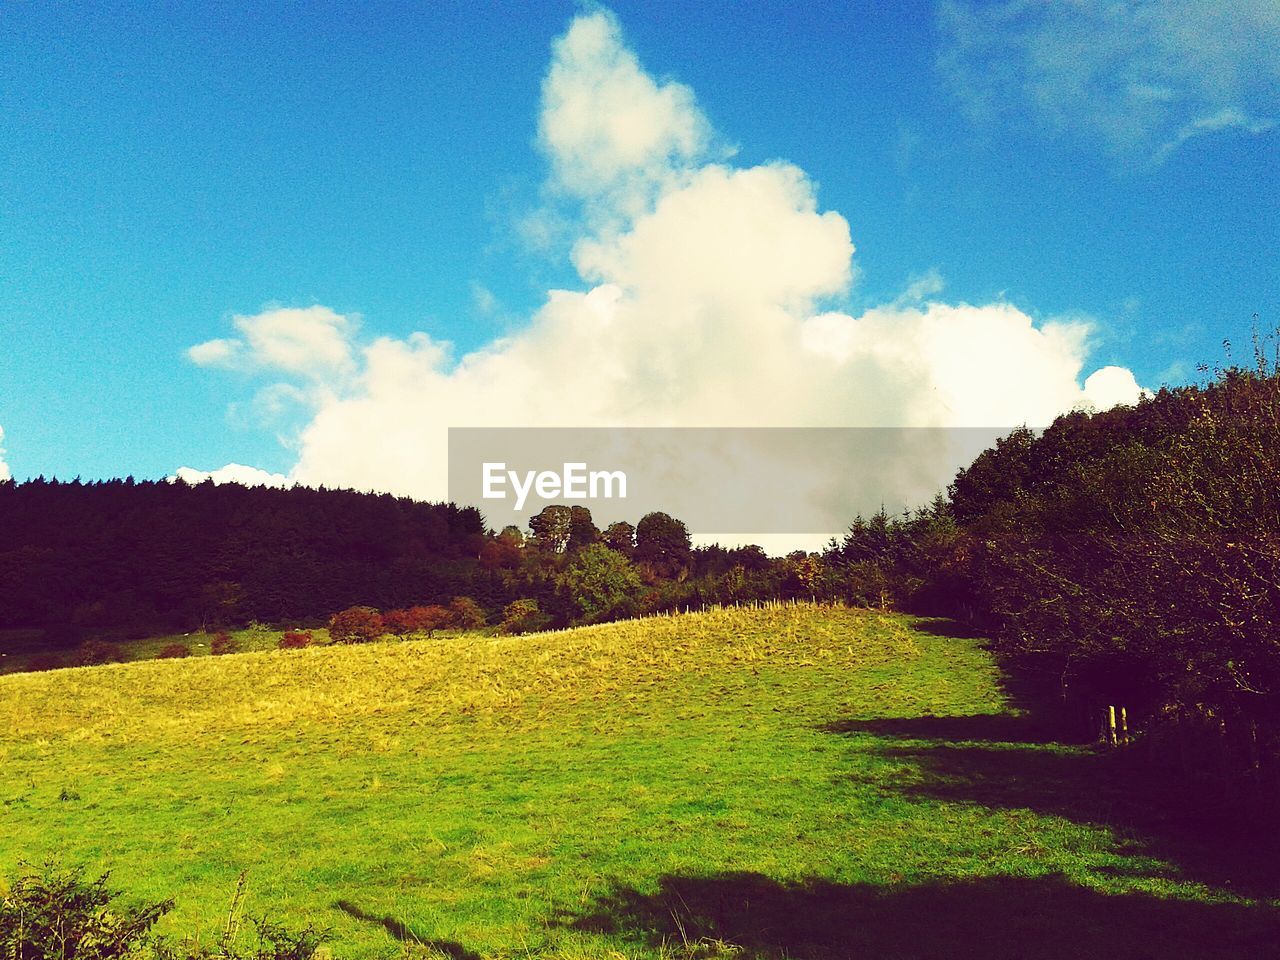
(94, 653)
(356, 625)
(467, 614)
(295, 640)
(57, 914)
(223, 643)
(462, 613)
(173, 651)
(523, 616)
(602, 582)
(421, 619)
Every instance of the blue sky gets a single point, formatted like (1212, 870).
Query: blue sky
(167, 169)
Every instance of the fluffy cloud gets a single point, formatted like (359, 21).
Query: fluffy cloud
(1139, 78)
(311, 341)
(709, 301)
(4, 467)
(617, 140)
(232, 473)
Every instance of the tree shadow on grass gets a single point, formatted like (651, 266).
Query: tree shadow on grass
(946, 627)
(999, 918)
(989, 728)
(406, 934)
(1005, 762)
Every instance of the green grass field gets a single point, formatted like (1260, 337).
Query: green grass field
(786, 782)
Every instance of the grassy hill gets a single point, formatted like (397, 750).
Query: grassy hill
(791, 781)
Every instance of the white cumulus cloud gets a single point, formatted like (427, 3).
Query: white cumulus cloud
(623, 135)
(232, 473)
(313, 341)
(711, 297)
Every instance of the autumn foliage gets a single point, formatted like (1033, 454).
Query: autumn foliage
(467, 614)
(295, 640)
(356, 625)
(223, 643)
(420, 619)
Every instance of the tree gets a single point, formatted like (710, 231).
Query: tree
(502, 551)
(430, 618)
(621, 537)
(356, 625)
(552, 528)
(806, 568)
(497, 553)
(424, 618)
(582, 529)
(467, 614)
(523, 616)
(663, 545)
(218, 603)
(997, 476)
(397, 622)
(61, 915)
(601, 581)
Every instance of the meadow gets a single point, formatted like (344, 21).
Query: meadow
(788, 781)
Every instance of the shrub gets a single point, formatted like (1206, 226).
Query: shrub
(59, 915)
(420, 619)
(223, 643)
(523, 616)
(467, 614)
(356, 625)
(173, 651)
(44, 661)
(430, 618)
(273, 941)
(93, 653)
(600, 580)
(295, 640)
(397, 622)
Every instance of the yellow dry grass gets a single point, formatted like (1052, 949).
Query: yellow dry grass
(437, 682)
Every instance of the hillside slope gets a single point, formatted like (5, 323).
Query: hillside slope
(791, 781)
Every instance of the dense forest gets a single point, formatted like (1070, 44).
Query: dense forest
(119, 559)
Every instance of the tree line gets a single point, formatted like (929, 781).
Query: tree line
(1131, 555)
(122, 559)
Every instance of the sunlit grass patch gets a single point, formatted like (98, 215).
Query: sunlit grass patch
(506, 796)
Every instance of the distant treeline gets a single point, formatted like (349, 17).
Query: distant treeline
(121, 558)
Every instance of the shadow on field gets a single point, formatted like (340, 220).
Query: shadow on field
(990, 728)
(1005, 762)
(946, 627)
(1000, 918)
(406, 934)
